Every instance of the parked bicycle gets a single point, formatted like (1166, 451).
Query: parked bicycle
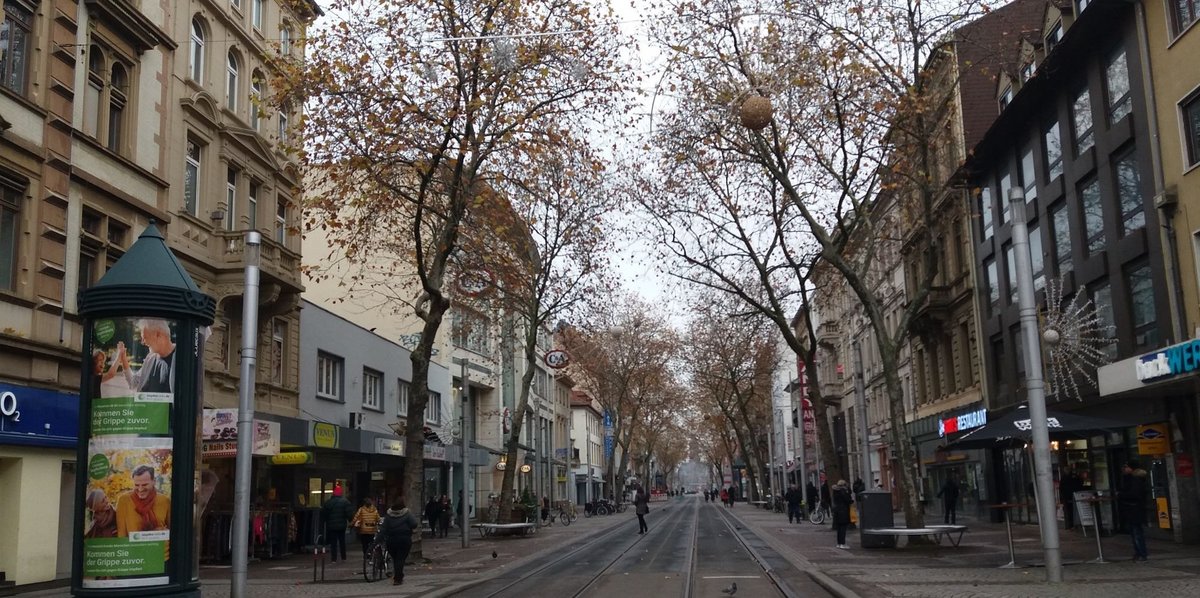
(819, 513)
(377, 563)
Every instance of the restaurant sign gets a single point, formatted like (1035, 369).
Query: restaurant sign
(963, 422)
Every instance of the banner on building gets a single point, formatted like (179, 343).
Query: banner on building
(608, 434)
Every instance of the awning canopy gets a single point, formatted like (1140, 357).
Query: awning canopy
(1016, 427)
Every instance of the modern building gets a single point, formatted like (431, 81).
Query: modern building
(1075, 135)
(587, 448)
(115, 114)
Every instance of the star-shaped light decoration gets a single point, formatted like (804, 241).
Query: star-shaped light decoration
(1076, 340)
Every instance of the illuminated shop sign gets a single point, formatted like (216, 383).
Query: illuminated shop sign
(1171, 361)
(966, 421)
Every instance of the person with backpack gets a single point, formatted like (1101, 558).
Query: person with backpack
(396, 533)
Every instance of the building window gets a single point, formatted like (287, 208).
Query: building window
(231, 82)
(372, 389)
(256, 94)
(998, 360)
(1093, 215)
(236, 4)
(402, 404)
(985, 211)
(10, 211)
(993, 284)
(231, 199)
(281, 220)
(256, 14)
(118, 97)
(1062, 238)
(1055, 36)
(1006, 97)
(1102, 299)
(1081, 4)
(278, 346)
(1116, 80)
(191, 178)
(967, 365)
(1141, 303)
(252, 206)
(329, 377)
(1129, 193)
(93, 91)
(1005, 207)
(471, 331)
(283, 122)
(1010, 263)
(1183, 14)
(1191, 127)
(1028, 175)
(285, 41)
(1054, 164)
(1036, 257)
(15, 34)
(433, 409)
(196, 59)
(1081, 114)
(1019, 348)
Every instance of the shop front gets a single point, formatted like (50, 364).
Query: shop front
(38, 430)
(941, 462)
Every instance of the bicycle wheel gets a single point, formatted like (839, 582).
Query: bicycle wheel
(370, 572)
(817, 517)
(564, 518)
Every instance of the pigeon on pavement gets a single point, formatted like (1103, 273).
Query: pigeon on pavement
(731, 590)
(494, 555)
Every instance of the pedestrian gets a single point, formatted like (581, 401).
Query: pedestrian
(724, 497)
(732, 495)
(826, 497)
(810, 495)
(1067, 487)
(841, 512)
(794, 498)
(1131, 503)
(337, 513)
(433, 512)
(859, 486)
(366, 523)
(545, 508)
(396, 533)
(641, 505)
(445, 517)
(949, 496)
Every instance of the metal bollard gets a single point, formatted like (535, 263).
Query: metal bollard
(318, 555)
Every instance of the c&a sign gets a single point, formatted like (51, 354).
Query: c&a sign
(965, 421)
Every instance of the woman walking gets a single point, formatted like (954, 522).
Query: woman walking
(396, 532)
(366, 522)
(841, 511)
(641, 503)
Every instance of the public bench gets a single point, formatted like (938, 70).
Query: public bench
(491, 529)
(937, 532)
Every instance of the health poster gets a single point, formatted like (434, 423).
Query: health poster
(127, 522)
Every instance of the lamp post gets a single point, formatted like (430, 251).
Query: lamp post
(1035, 389)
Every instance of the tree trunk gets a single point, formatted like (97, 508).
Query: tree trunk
(414, 434)
(832, 468)
(513, 441)
(902, 443)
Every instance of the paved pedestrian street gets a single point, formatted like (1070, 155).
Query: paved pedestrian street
(699, 548)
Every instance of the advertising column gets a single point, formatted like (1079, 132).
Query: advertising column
(139, 420)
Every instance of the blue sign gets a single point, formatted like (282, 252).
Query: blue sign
(1171, 361)
(608, 434)
(37, 417)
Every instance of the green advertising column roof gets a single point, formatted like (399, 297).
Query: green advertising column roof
(148, 280)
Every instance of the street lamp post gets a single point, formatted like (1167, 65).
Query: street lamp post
(1035, 390)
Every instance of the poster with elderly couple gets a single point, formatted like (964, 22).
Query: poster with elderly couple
(127, 520)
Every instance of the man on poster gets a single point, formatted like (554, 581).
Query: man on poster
(143, 508)
(157, 373)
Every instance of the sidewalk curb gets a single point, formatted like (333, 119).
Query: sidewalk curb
(800, 562)
(495, 572)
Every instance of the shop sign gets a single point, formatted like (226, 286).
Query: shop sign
(378, 476)
(1164, 512)
(36, 416)
(266, 442)
(1172, 361)
(963, 422)
(325, 435)
(389, 446)
(1152, 439)
(435, 452)
(293, 458)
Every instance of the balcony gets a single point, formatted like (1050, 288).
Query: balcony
(276, 262)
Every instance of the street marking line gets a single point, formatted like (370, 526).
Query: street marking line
(732, 577)
(281, 568)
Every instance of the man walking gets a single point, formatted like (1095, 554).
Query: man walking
(794, 498)
(337, 513)
(949, 496)
(1067, 487)
(641, 504)
(1131, 502)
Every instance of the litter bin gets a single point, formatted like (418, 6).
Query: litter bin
(875, 510)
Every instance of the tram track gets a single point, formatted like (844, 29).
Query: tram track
(776, 580)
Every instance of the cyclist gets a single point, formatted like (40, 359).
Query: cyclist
(396, 532)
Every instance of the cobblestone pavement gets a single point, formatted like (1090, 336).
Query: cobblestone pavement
(970, 571)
